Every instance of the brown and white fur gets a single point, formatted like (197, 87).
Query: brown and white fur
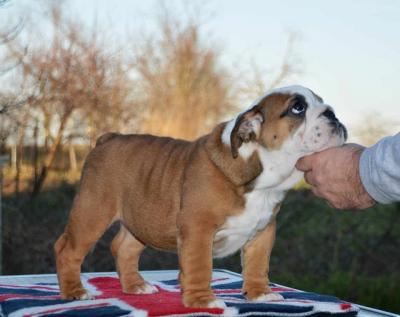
(207, 198)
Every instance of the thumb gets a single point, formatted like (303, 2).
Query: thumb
(305, 163)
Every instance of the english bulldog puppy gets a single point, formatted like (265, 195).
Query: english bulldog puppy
(207, 198)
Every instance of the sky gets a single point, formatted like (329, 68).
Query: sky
(348, 51)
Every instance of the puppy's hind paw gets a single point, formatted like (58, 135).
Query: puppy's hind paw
(86, 296)
(78, 294)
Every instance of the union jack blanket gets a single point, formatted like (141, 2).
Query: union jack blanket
(39, 296)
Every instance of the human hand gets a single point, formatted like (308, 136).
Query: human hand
(334, 176)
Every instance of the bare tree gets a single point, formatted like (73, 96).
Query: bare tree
(9, 33)
(7, 124)
(74, 75)
(184, 89)
(13, 126)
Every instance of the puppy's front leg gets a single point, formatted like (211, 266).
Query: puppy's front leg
(195, 243)
(255, 261)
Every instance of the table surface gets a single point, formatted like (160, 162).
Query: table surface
(150, 275)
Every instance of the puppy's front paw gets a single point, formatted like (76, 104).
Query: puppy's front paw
(77, 294)
(147, 288)
(268, 297)
(203, 303)
(144, 288)
(202, 300)
(216, 303)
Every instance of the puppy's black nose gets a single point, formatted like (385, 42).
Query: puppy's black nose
(329, 114)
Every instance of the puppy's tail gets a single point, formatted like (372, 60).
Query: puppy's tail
(106, 137)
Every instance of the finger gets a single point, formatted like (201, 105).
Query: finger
(353, 145)
(335, 202)
(305, 163)
(321, 194)
(309, 178)
(317, 192)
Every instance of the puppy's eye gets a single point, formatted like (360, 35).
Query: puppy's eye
(298, 108)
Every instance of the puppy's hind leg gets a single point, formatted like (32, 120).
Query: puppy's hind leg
(126, 250)
(89, 218)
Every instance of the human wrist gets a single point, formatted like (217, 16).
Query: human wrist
(365, 199)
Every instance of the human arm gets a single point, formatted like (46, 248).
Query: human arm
(380, 170)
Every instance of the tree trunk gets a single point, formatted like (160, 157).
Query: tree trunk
(36, 151)
(47, 133)
(72, 158)
(50, 157)
(14, 158)
(18, 158)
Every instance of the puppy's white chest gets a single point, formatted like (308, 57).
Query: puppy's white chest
(239, 229)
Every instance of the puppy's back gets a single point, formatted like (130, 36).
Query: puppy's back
(143, 174)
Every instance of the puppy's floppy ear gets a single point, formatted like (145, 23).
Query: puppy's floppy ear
(247, 128)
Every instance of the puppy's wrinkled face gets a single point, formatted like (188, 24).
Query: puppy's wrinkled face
(292, 119)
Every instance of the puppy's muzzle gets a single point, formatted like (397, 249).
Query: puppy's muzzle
(338, 127)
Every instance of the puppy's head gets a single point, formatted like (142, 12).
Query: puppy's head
(292, 119)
